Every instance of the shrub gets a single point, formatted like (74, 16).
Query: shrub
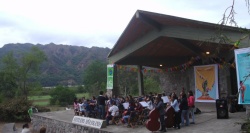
(15, 110)
(62, 96)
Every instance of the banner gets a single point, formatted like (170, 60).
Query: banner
(110, 72)
(242, 61)
(206, 83)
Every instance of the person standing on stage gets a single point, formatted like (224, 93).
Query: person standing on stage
(175, 105)
(184, 109)
(160, 108)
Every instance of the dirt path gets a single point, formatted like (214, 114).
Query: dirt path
(18, 125)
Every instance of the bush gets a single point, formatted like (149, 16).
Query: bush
(15, 110)
(62, 96)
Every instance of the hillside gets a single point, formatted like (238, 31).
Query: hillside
(65, 64)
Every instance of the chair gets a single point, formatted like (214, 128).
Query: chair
(142, 116)
(116, 118)
(132, 121)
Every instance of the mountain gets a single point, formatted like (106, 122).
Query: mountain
(65, 64)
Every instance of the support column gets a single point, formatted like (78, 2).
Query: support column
(140, 80)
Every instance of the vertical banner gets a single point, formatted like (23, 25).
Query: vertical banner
(206, 83)
(110, 72)
(242, 61)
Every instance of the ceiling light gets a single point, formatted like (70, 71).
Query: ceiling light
(160, 65)
(207, 52)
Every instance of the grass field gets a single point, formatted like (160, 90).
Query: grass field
(44, 100)
(46, 97)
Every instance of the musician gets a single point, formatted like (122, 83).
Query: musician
(175, 105)
(113, 111)
(160, 108)
(150, 104)
(127, 113)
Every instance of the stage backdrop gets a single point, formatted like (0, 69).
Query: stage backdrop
(242, 61)
(206, 83)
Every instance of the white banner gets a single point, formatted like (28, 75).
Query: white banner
(90, 122)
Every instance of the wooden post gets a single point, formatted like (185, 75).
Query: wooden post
(140, 80)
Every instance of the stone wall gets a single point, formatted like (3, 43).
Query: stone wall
(175, 81)
(56, 126)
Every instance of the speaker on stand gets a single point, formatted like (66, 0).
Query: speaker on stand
(222, 109)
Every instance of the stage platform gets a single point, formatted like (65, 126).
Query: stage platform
(206, 122)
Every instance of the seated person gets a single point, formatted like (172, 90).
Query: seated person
(43, 130)
(26, 128)
(138, 107)
(113, 111)
(127, 113)
(150, 103)
(81, 108)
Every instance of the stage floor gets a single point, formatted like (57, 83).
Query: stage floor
(206, 122)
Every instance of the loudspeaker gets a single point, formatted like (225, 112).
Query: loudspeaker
(222, 109)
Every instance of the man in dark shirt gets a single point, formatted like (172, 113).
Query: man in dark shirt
(101, 104)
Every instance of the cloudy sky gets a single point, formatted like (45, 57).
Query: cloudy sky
(97, 22)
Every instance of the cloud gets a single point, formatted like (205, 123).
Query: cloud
(95, 22)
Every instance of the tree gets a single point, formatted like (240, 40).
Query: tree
(62, 96)
(17, 71)
(8, 76)
(8, 85)
(29, 66)
(80, 89)
(127, 82)
(151, 85)
(95, 77)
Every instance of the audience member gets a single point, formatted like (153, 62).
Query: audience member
(26, 128)
(42, 130)
(184, 109)
(191, 105)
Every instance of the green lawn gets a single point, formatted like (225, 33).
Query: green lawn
(80, 95)
(46, 97)
(41, 103)
(44, 100)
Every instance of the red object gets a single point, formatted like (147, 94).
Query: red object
(153, 124)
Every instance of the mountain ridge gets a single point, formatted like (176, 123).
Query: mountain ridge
(65, 63)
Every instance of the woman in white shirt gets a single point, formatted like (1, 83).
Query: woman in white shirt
(175, 105)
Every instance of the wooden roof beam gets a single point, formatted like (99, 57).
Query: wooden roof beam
(148, 20)
(189, 46)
